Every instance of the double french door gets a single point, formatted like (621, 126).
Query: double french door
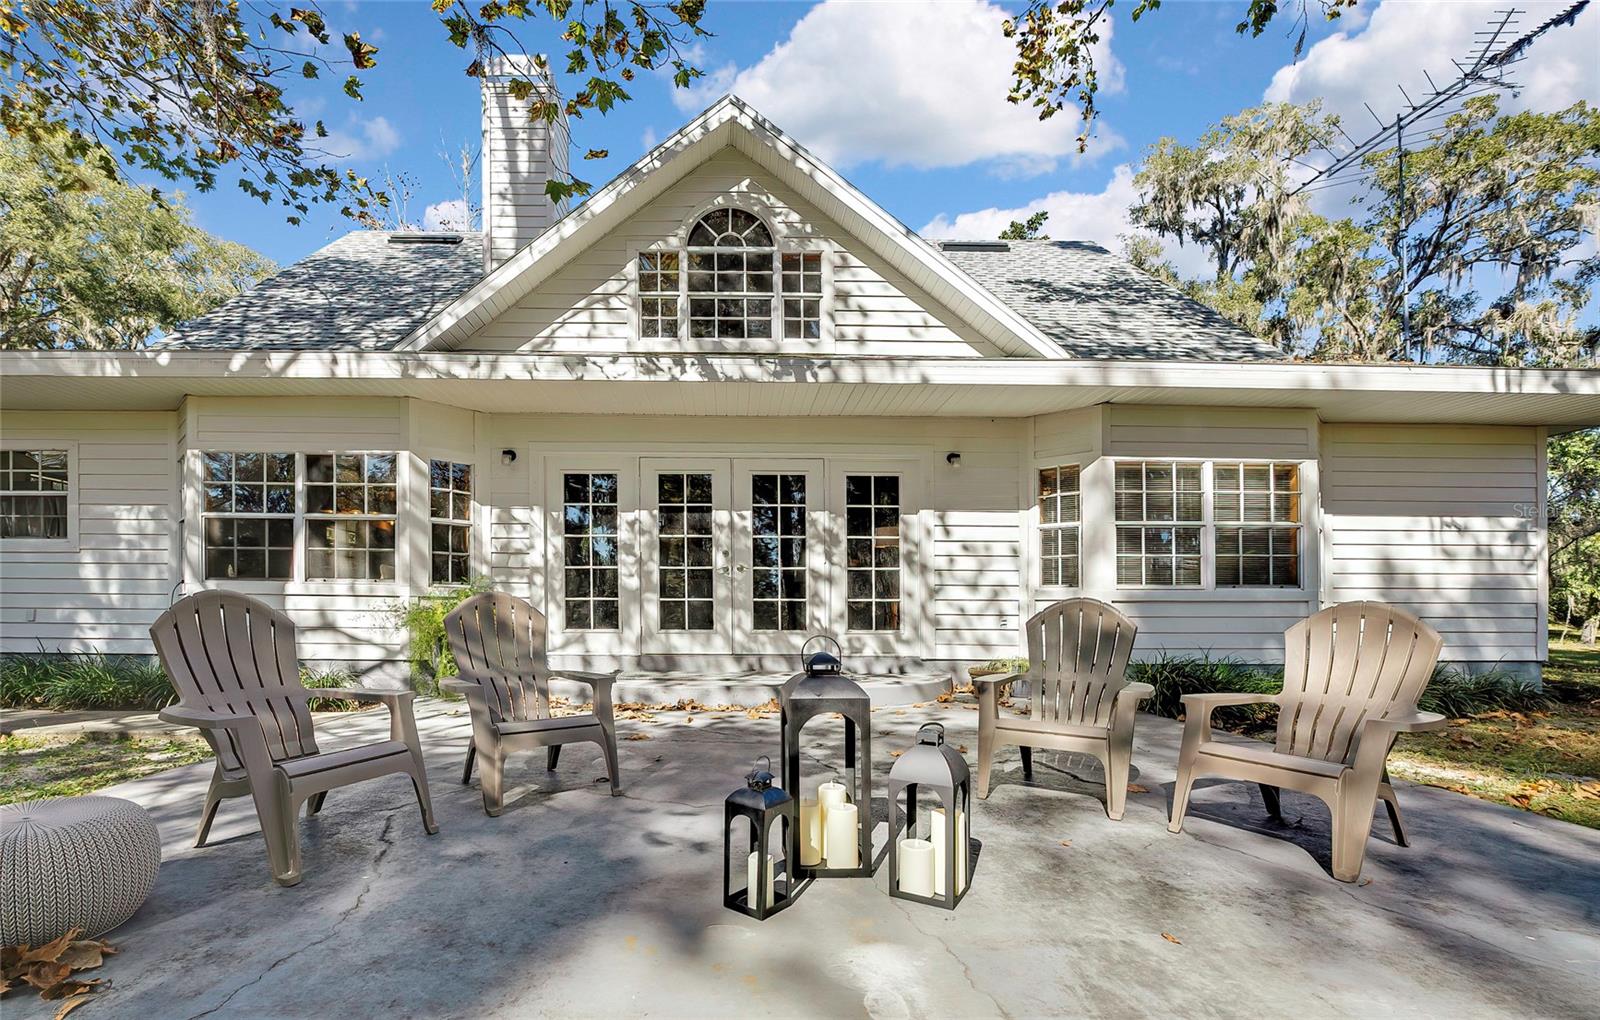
(731, 554)
(707, 555)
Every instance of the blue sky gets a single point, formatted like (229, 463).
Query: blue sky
(907, 99)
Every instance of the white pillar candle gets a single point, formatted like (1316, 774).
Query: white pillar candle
(829, 795)
(752, 866)
(842, 849)
(938, 838)
(914, 867)
(810, 832)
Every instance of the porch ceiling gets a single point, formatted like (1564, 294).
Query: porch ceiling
(718, 385)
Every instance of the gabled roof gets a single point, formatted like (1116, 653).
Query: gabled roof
(731, 121)
(358, 293)
(1096, 305)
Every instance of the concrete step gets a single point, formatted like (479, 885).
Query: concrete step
(747, 690)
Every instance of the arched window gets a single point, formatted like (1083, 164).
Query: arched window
(728, 284)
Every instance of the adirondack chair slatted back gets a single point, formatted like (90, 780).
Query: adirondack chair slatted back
(1078, 652)
(1345, 664)
(227, 652)
(499, 641)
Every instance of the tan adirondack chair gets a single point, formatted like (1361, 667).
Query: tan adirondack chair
(1352, 677)
(232, 660)
(1081, 699)
(498, 641)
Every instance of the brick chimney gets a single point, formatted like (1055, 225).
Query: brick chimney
(519, 156)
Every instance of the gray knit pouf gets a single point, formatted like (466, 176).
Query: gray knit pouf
(73, 862)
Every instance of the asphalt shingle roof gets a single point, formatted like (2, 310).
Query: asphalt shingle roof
(364, 293)
(1098, 306)
(358, 293)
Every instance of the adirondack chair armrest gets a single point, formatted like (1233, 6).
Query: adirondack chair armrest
(997, 678)
(1197, 709)
(456, 685)
(599, 683)
(360, 694)
(1377, 735)
(183, 715)
(1136, 691)
(402, 721)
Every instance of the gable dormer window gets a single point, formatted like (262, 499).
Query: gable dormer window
(730, 282)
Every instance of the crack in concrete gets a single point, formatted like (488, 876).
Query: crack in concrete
(387, 844)
(908, 910)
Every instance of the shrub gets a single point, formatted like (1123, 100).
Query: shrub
(1173, 676)
(423, 620)
(91, 681)
(134, 683)
(1454, 692)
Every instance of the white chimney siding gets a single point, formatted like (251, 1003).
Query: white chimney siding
(519, 156)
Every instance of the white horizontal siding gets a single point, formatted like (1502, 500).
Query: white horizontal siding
(102, 595)
(1439, 520)
(589, 304)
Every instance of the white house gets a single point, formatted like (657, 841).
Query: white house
(729, 402)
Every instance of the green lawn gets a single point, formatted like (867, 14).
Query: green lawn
(33, 767)
(1546, 762)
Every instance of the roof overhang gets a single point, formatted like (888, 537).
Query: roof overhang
(739, 385)
(732, 122)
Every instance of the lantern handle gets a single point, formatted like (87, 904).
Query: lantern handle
(838, 649)
(768, 759)
(938, 737)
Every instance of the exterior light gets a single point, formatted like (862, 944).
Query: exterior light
(508, 457)
(937, 869)
(768, 881)
(954, 460)
(834, 836)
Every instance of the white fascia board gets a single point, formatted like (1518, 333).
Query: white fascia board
(578, 366)
(687, 148)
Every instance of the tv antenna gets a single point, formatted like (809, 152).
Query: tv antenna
(1487, 68)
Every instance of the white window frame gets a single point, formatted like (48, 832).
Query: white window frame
(193, 502)
(1298, 524)
(1208, 528)
(1040, 526)
(783, 243)
(470, 522)
(554, 467)
(70, 542)
(306, 517)
(292, 516)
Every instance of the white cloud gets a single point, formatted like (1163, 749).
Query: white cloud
(1401, 40)
(1098, 216)
(451, 214)
(923, 87)
(359, 140)
(648, 139)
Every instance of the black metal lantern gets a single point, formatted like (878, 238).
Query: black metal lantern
(821, 690)
(936, 870)
(769, 883)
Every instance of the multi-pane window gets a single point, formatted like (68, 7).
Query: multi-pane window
(247, 512)
(589, 550)
(802, 296)
(685, 529)
(872, 551)
(1160, 516)
(33, 494)
(1257, 512)
(350, 516)
(1060, 512)
(658, 294)
(450, 521)
(778, 551)
(729, 282)
(730, 277)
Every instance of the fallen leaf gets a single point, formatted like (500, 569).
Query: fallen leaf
(1364, 882)
(70, 987)
(962, 748)
(45, 974)
(1171, 938)
(51, 950)
(1066, 842)
(637, 736)
(73, 1003)
(1136, 788)
(896, 754)
(945, 698)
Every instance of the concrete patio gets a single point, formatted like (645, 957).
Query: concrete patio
(577, 904)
